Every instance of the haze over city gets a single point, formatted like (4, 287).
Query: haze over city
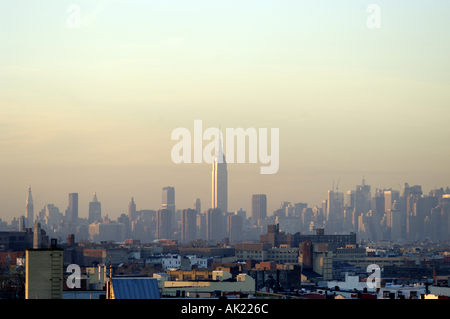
(92, 108)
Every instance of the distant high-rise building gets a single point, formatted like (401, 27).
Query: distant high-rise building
(188, 225)
(198, 206)
(22, 223)
(37, 238)
(378, 203)
(363, 198)
(389, 197)
(259, 206)
(214, 224)
(29, 209)
(234, 224)
(241, 213)
(132, 214)
(298, 209)
(168, 199)
(351, 198)
(396, 225)
(201, 226)
(335, 206)
(164, 224)
(52, 215)
(95, 210)
(72, 210)
(220, 181)
(125, 220)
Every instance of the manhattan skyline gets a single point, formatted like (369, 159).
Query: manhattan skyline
(92, 108)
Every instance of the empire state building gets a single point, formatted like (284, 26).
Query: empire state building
(29, 209)
(220, 181)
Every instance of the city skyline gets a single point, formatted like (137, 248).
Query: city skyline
(86, 206)
(92, 108)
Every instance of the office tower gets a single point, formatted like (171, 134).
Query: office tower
(306, 216)
(241, 213)
(164, 224)
(378, 203)
(72, 210)
(363, 202)
(188, 225)
(220, 181)
(324, 207)
(298, 209)
(413, 212)
(22, 223)
(95, 210)
(198, 206)
(214, 224)
(52, 215)
(330, 203)
(377, 213)
(132, 214)
(29, 209)
(389, 197)
(335, 206)
(168, 199)
(259, 207)
(234, 224)
(201, 226)
(396, 225)
(125, 220)
(37, 238)
(351, 198)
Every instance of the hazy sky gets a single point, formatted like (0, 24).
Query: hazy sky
(92, 108)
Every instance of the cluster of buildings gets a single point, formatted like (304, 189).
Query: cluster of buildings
(279, 265)
(297, 252)
(389, 214)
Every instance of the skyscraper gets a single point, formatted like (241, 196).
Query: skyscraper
(95, 210)
(363, 198)
(164, 224)
(215, 225)
(168, 199)
(220, 181)
(29, 209)
(72, 210)
(198, 206)
(351, 198)
(201, 226)
(188, 225)
(389, 197)
(259, 207)
(132, 215)
(234, 227)
(37, 238)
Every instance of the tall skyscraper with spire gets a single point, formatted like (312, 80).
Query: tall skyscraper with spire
(29, 209)
(220, 181)
(132, 215)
